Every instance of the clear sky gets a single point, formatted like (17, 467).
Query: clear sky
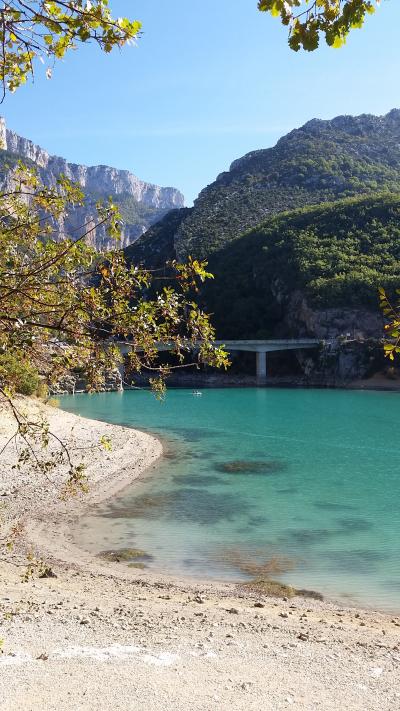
(207, 82)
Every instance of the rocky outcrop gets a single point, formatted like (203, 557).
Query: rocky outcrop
(341, 362)
(330, 323)
(73, 382)
(141, 204)
(353, 341)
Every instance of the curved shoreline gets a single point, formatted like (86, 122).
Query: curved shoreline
(37, 507)
(99, 635)
(134, 454)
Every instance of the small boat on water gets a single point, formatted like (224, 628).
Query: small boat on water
(197, 393)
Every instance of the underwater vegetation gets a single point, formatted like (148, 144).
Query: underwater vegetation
(354, 525)
(270, 588)
(144, 505)
(307, 537)
(198, 480)
(361, 561)
(194, 434)
(184, 504)
(255, 564)
(330, 506)
(123, 555)
(344, 527)
(259, 520)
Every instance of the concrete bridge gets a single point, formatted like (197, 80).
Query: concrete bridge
(260, 348)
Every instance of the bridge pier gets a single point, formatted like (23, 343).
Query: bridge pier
(124, 349)
(121, 369)
(261, 366)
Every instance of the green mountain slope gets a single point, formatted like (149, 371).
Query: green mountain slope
(302, 269)
(156, 246)
(322, 161)
(299, 236)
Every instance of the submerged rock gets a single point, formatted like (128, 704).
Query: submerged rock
(273, 588)
(141, 566)
(247, 466)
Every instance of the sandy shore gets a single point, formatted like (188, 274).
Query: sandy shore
(102, 636)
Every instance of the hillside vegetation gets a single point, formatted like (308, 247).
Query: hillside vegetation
(156, 246)
(336, 255)
(320, 162)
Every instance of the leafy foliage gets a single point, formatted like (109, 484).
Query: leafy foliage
(18, 373)
(391, 311)
(63, 305)
(337, 255)
(308, 19)
(66, 300)
(47, 29)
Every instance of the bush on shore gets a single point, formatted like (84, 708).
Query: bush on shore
(19, 375)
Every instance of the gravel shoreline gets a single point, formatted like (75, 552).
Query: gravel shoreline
(102, 636)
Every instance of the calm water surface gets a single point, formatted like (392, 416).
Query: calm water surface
(307, 477)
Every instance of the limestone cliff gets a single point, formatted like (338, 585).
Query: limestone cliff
(141, 204)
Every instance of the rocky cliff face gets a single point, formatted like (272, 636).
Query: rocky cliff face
(141, 204)
(302, 319)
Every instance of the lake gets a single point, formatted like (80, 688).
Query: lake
(305, 481)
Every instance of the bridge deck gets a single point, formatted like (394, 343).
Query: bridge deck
(254, 346)
(268, 345)
(259, 347)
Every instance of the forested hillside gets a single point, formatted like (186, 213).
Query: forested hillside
(301, 266)
(156, 247)
(299, 236)
(321, 162)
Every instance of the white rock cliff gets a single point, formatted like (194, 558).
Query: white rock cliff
(150, 202)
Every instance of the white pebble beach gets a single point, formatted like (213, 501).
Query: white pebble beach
(101, 636)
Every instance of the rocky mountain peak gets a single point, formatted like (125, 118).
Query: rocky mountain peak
(363, 124)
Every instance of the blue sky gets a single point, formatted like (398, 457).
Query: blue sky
(206, 83)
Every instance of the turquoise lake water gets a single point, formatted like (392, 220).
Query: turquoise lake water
(310, 478)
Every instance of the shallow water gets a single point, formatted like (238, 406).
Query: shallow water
(309, 478)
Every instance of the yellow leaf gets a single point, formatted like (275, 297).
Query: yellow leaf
(339, 42)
